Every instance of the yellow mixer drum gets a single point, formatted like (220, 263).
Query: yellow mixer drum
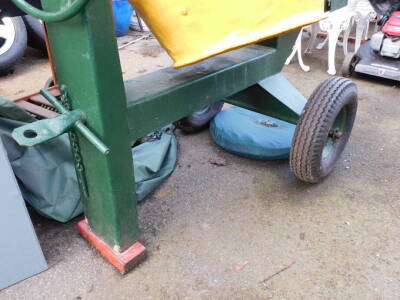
(193, 30)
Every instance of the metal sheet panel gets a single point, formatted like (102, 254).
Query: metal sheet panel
(20, 254)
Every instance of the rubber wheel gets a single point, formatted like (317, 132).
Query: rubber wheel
(349, 64)
(199, 120)
(12, 42)
(323, 129)
(36, 35)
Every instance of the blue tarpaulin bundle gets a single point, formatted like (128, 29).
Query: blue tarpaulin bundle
(253, 135)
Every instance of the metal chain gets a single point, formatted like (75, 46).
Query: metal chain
(76, 150)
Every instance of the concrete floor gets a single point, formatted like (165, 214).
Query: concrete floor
(222, 232)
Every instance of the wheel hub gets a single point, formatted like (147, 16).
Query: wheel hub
(335, 134)
(7, 34)
(353, 64)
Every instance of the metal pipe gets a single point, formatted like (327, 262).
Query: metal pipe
(79, 126)
(53, 101)
(94, 140)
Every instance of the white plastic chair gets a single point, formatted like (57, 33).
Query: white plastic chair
(358, 12)
(337, 22)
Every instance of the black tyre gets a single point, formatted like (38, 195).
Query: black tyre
(36, 35)
(12, 42)
(49, 83)
(323, 129)
(349, 64)
(199, 120)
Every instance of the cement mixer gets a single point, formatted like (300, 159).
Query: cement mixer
(231, 51)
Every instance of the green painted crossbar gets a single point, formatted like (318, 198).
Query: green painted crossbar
(159, 98)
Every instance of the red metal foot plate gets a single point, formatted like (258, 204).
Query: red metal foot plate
(124, 261)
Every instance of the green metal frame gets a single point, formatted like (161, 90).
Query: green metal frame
(88, 68)
(237, 77)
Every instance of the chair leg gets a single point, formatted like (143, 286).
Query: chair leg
(346, 36)
(297, 49)
(313, 38)
(366, 30)
(333, 38)
(376, 27)
(322, 44)
(300, 54)
(359, 34)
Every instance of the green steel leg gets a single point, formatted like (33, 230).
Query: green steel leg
(87, 64)
(273, 96)
(279, 87)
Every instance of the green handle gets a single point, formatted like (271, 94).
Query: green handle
(59, 16)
